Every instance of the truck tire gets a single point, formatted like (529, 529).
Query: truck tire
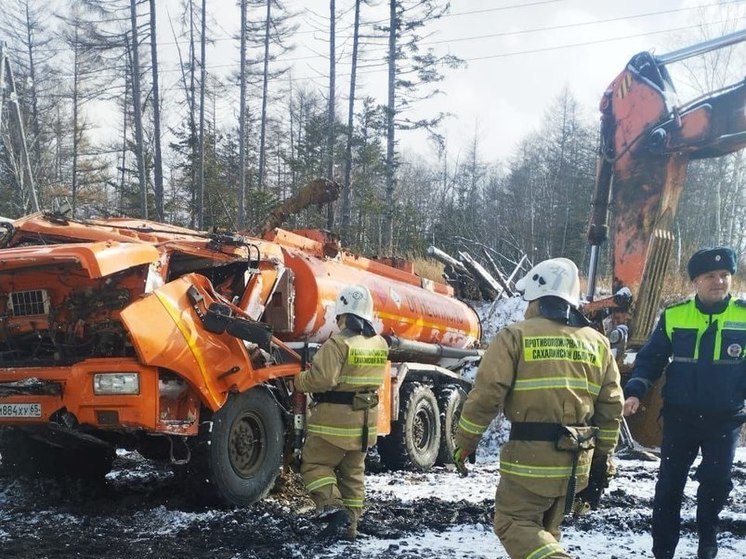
(246, 447)
(414, 440)
(450, 400)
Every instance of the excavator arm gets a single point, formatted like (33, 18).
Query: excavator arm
(646, 142)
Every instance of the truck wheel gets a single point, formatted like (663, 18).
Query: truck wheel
(415, 437)
(246, 447)
(450, 400)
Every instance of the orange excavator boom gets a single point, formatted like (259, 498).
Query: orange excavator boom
(647, 139)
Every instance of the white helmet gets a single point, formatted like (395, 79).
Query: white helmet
(356, 300)
(557, 277)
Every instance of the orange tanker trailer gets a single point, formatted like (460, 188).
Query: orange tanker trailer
(182, 345)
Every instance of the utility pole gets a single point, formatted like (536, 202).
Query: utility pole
(26, 190)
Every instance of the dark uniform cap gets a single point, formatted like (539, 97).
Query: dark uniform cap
(711, 259)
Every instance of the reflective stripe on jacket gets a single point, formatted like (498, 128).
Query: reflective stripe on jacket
(707, 370)
(347, 362)
(544, 371)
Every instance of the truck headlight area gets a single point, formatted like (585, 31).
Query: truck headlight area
(116, 383)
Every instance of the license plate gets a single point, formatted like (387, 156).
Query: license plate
(20, 410)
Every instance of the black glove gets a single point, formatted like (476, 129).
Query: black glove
(602, 470)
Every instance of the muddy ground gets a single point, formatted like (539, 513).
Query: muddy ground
(141, 511)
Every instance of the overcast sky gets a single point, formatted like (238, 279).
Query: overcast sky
(512, 79)
(520, 55)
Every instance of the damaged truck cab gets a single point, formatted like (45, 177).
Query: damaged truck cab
(182, 345)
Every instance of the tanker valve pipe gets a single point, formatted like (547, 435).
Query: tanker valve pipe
(430, 350)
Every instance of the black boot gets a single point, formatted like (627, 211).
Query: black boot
(707, 550)
(337, 524)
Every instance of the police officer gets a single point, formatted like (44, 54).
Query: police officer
(344, 376)
(558, 383)
(700, 343)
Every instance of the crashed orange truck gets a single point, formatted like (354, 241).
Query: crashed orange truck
(182, 345)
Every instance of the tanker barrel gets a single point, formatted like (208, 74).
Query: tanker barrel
(702, 48)
(446, 259)
(430, 350)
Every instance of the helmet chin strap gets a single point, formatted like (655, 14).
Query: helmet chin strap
(559, 310)
(355, 324)
(555, 309)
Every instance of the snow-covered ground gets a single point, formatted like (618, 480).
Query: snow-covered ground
(142, 513)
(613, 537)
(621, 530)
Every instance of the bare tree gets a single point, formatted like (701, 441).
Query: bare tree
(158, 162)
(406, 19)
(347, 186)
(330, 116)
(277, 28)
(80, 37)
(188, 74)
(241, 221)
(134, 50)
(201, 140)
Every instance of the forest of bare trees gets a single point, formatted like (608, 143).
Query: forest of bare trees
(82, 58)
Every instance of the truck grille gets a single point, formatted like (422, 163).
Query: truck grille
(29, 303)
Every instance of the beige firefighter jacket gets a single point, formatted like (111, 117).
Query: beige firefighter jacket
(346, 362)
(540, 370)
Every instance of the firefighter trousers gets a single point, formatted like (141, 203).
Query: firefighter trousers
(679, 447)
(528, 524)
(334, 476)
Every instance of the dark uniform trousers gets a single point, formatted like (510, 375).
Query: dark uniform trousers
(681, 441)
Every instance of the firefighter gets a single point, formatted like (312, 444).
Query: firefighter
(556, 381)
(700, 343)
(342, 380)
